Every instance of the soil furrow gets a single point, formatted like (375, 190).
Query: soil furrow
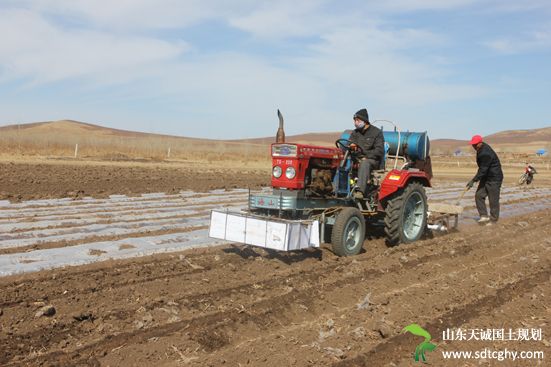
(309, 279)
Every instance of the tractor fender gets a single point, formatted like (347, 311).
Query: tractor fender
(398, 179)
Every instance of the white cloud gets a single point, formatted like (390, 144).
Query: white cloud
(403, 6)
(354, 60)
(283, 19)
(371, 62)
(137, 14)
(232, 89)
(37, 50)
(513, 6)
(535, 40)
(487, 6)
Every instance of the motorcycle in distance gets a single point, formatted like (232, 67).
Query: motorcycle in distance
(528, 176)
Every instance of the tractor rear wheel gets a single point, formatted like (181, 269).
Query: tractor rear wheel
(406, 215)
(348, 232)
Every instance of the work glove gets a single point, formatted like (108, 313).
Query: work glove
(470, 184)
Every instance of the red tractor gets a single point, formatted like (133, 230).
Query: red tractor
(312, 201)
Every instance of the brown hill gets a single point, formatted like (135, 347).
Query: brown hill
(448, 146)
(64, 134)
(59, 138)
(511, 141)
(542, 136)
(77, 128)
(515, 141)
(309, 138)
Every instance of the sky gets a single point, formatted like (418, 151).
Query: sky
(221, 69)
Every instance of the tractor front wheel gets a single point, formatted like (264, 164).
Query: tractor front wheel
(406, 215)
(348, 232)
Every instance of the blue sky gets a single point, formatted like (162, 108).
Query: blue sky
(221, 69)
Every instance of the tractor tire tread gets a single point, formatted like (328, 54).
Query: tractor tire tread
(394, 209)
(337, 232)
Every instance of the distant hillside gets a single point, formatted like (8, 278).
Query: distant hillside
(77, 128)
(512, 141)
(525, 141)
(60, 138)
(78, 131)
(309, 138)
(448, 146)
(542, 135)
(64, 134)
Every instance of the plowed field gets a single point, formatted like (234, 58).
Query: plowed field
(135, 281)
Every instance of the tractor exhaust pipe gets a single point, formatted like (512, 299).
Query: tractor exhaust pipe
(280, 136)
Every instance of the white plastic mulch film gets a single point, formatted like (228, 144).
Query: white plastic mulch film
(276, 234)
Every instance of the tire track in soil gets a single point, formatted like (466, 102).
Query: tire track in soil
(526, 311)
(269, 284)
(292, 297)
(191, 256)
(112, 273)
(259, 342)
(350, 313)
(401, 345)
(274, 283)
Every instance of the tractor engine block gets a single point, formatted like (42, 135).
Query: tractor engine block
(321, 183)
(304, 167)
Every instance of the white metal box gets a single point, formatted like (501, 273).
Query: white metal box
(272, 233)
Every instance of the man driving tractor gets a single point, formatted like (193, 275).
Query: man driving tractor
(369, 144)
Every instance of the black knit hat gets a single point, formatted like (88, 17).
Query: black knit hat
(362, 115)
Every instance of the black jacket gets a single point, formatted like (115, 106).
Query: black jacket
(371, 140)
(489, 167)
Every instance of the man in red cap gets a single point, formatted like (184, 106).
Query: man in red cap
(489, 178)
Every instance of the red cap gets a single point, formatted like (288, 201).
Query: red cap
(476, 139)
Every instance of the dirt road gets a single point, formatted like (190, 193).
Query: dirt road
(237, 306)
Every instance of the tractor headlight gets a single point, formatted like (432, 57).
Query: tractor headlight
(276, 171)
(290, 173)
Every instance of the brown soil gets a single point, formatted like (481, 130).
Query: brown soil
(244, 306)
(39, 179)
(239, 306)
(25, 181)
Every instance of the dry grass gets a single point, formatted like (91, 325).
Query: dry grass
(95, 143)
(59, 139)
(464, 168)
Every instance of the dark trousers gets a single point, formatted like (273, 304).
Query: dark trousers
(491, 190)
(364, 171)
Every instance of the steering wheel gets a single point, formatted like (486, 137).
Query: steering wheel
(344, 144)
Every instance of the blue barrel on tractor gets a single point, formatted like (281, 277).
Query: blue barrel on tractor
(415, 146)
